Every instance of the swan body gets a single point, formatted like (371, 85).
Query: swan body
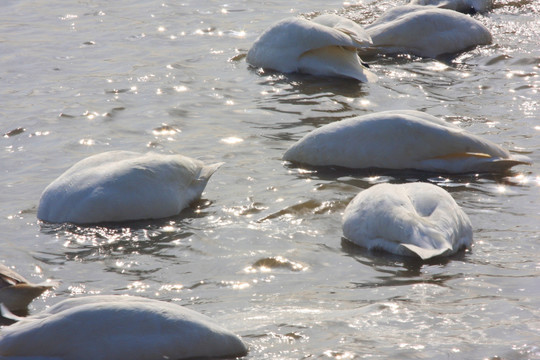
(16, 292)
(463, 6)
(324, 46)
(425, 31)
(415, 219)
(402, 139)
(111, 327)
(123, 186)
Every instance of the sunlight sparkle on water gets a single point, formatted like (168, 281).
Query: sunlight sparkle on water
(87, 142)
(165, 130)
(339, 355)
(239, 34)
(237, 285)
(171, 287)
(231, 140)
(437, 66)
(138, 286)
(180, 88)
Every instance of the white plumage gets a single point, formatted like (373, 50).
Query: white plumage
(464, 6)
(416, 219)
(425, 31)
(325, 46)
(118, 327)
(400, 139)
(122, 186)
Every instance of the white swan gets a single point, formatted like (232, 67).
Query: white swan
(113, 327)
(16, 292)
(324, 46)
(122, 186)
(416, 219)
(425, 31)
(464, 6)
(400, 139)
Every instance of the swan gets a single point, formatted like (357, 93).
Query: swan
(400, 139)
(464, 6)
(325, 46)
(111, 327)
(16, 292)
(424, 31)
(415, 219)
(122, 186)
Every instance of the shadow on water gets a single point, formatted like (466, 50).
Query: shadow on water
(92, 242)
(364, 178)
(307, 84)
(399, 270)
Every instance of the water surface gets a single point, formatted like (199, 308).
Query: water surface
(262, 251)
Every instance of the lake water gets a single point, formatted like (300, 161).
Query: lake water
(262, 253)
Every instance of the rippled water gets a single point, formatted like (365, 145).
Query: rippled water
(262, 251)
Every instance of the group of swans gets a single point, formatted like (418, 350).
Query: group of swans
(394, 218)
(389, 217)
(415, 219)
(329, 45)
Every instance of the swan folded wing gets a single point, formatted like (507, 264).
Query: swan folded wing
(281, 46)
(120, 186)
(335, 61)
(415, 219)
(425, 31)
(129, 329)
(463, 6)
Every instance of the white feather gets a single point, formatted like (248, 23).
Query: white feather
(324, 46)
(425, 31)
(118, 327)
(122, 186)
(464, 6)
(416, 219)
(400, 139)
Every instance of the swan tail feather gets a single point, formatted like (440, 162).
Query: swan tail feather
(209, 170)
(424, 253)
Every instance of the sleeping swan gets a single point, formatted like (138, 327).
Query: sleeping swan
(463, 6)
(400, 139)
(324, 46)
(424, 31)
(112, 327)
(16, 292)
(416, 219)
(123, 186)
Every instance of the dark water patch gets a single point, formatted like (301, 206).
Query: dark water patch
(14, 132)
(275, 263)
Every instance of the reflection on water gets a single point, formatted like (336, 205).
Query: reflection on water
(262, 253)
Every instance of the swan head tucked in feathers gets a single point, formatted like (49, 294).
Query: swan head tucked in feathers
(326, 46)
(415, 219)
(425, 31)
(124, 186)
(401, 139)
